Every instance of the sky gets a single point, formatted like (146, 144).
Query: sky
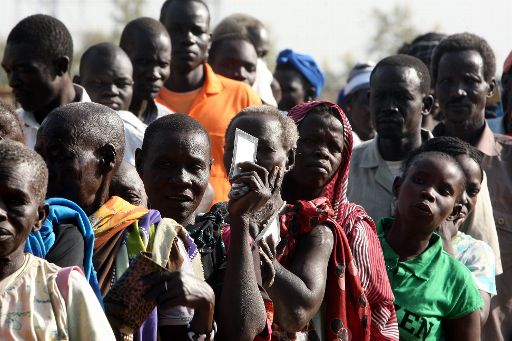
(325, 29)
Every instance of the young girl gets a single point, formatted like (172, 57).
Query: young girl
(435, 295)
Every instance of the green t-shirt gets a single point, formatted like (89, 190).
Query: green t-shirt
(428, 288)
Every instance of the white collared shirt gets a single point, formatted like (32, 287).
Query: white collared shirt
(31, 126)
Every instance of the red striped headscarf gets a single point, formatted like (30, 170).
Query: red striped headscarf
(336, 190)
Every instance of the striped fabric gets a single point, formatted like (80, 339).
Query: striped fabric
(360, 231)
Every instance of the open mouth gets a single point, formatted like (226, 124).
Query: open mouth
(423, 208)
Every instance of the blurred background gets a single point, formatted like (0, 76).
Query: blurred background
(337, 33)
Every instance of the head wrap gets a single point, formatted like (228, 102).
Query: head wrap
(508, 63)
(359, 229)
(305, 65)
(359, 77)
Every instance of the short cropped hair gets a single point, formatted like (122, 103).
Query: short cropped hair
(10, 124)
(172, 124)
(452, 146)
(290, 134)
(402, 60)
(16, 153)
(48, 37)
(153, 28)
(167, 3)
(90, 124)
(239, 23)
(465, 42)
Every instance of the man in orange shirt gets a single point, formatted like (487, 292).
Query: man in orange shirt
(194, 88)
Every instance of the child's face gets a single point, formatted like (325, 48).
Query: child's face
(19, 208)
(429, 191)
(473, 182)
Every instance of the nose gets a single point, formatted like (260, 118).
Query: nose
(240, 73)
(321, 152)
(187, 38)
(428, 194)
(111, 90)
(179, 177)
(13, 79)
(155, 74)
(3, 211)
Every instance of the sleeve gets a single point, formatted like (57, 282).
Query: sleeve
(481, 264)
(86, 319)
(69, 248)
(466, 297)
(369, 259)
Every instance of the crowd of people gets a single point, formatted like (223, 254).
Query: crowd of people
(391, 206)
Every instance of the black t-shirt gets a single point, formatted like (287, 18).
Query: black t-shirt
(69, 248)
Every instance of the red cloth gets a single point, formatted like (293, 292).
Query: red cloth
(360, 232)
(347, 309)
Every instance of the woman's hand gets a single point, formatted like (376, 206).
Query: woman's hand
(259, 187)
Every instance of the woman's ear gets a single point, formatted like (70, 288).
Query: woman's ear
(290, 161)
(42, 212)
(457, 208)
(428, 103)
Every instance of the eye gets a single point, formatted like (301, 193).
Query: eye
(418, 180)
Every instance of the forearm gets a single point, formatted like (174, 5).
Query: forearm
(294, 302)
(241, 309)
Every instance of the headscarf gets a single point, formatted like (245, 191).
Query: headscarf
(336, 190)
(348, 311)
(359, 77)
(305, 65)
(507, 65)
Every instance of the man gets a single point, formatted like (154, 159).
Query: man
(356, 100)
(299, 77)
(234, 56)
(10, 125)
(254, 30)
(463, 68)
(37, 60)
(399, 98)
(503, 124)
(106, 74)
(147, 44)
(194, 88)
(83, 146)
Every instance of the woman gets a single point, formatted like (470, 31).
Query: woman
(321, 170)
(435, 295)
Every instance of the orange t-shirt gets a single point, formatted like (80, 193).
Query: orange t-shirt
(216, 103)
(181, 101)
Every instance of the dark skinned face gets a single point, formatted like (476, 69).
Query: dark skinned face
(261, 40)
(473, 182)
(19, 209)
(428, 192)
(129, 186)
(292, 89)
(175, 178)
(271, 151)
(396, 102)
(151, 59)
(460, 86)
(236, 59)
(74, 170)
(33, 81)
(188, 24)
(108, 80)
(319, 151)
(358, 112)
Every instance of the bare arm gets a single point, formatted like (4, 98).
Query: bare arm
(242, 313)
(464, 328)
(484, 311)
(297, 293)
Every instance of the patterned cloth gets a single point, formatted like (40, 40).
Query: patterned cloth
(347, 308)
(122, 231)
(360, 232)
(478, 257)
